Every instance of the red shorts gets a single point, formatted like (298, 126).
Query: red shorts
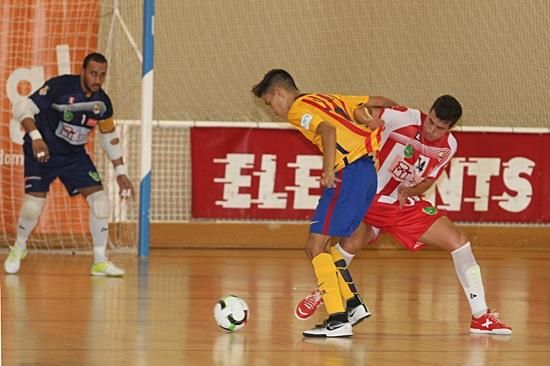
(405, 224)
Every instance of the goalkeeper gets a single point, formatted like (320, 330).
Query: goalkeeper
(57, 120)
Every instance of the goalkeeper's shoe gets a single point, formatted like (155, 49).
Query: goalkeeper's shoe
(13, 261)
(106, 269)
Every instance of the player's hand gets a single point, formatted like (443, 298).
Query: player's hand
(40, 150)
(402, 195)
(329, 180)
(375, 122)
(126, 187)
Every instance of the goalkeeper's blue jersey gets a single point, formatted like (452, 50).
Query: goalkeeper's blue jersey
(67, 114)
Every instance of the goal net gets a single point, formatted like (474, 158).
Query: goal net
(208, 54)
(40, 40)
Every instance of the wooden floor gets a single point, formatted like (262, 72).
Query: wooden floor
(54, 313)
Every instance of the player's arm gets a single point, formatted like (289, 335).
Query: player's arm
(24, 112)
(368, 114)
(415, 190)
(110, 142)
(328, 137)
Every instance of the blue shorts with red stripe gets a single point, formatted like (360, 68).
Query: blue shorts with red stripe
(340, 210)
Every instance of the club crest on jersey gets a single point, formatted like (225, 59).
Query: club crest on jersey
(408, 152)
(68, 115)
(430, 210)
(306, 121)
(43, 91)
(96, 109)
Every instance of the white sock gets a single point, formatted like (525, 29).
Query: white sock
(347, 256)
(24, 230)
(469, 275)
(99, 228)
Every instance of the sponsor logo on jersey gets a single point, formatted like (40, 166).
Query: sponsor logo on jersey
(94, 175)
(74, 135)
(68, 115)
(430, 210)
(306, 120)
(408, 151)
(43, 91)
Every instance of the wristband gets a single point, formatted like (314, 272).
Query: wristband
(35, 135)
(121, 170)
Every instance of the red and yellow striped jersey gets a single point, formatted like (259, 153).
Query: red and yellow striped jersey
(352, 140)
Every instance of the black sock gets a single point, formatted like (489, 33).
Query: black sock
(341, 317)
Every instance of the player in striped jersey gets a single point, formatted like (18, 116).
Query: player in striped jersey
(416, 147)
(348, 178)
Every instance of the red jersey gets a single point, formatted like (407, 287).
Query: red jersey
(406, 158)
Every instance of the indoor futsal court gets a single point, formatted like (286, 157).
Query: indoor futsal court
(54, 313)
(204, 147)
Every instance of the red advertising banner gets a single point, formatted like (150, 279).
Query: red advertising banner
(248, 174)
(497, 177)
(39, 40)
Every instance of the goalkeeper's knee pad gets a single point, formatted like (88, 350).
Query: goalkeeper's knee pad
(32, 207)
(99, 204)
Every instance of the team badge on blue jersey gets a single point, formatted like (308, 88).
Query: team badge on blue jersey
(68, 115)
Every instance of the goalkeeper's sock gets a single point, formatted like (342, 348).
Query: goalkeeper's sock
(24, 230)
(99, 228)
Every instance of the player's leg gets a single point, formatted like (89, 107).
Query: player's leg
(354, 304)
(317, 247)
(33, 204)
(38, 177)
(339, 214)
(444, 234)
(99, 211)
(355, 307)
(81, 176)
(379, 214)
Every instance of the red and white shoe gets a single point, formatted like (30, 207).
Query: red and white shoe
(489, 324)
(306, 308)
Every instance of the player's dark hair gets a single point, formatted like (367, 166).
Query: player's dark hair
(94, 56)
(275, 77)
(447, 109)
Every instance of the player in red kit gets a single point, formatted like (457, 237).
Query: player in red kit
(416, 147)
